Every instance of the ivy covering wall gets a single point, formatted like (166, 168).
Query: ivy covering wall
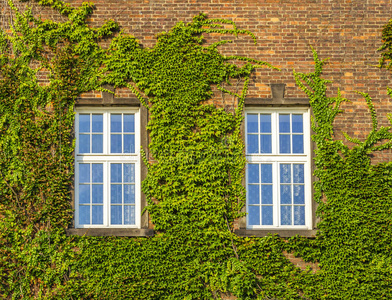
(193, 185)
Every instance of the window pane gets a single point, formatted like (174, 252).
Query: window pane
(299, 215)
(129, 143)
(285, 194)
(97, 215)
(115, 193)
(115, 143)
(266, 143)
(299, 194)
(253, 194)
(284, 143)
(129, 215)
(298, 172)
(84, 193)
(285, 173)
(84, 214)
(84, 123)
(253, 173)
(266, 173)
(129, 193)
(84, 143)
(297, 123)
(97, 193)
(97, 143)
(84, 173)
(285, 215)
(97, 123)
(298, 143)
(265, 123)
(266, 194)
(97, 173)
(115, 123)
(252, 123)
(254, 215)
(267, 215)
(284, 123)
(115, 173)
(129, 123)
(129, 173)
(253, 143)
(116, 214)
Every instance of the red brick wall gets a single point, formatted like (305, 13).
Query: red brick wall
(347, 31)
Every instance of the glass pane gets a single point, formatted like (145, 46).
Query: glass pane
(129, 215)
(97, 123)
(297, 123)
(265, 123)
(84, 193)
(84, 143)
(84, 214)
(285, 215)
(97, 173)
(284, 143)
(299, 215)
(97, 215)
(129, 143)
(252, 123)
(266, 143)
(285, 194)
(253, 143)
(129, 123)
(253, 194)
(298, 143)
(266, 194)
(84, 173)
(254, 215)
(115, 214)
(253, 173)
(115, 123)
(266, 173)
(267, 215)
(97, 193)
(129, 173)
(97, 143)
(115, 193)
(129, 193)
(284, 123)
(115, 173)
(299, 194)
(285, 173)
(115, 143)
(84, 123)
(298, 173)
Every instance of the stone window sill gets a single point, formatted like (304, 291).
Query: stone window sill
(110, 232)
(280, 232)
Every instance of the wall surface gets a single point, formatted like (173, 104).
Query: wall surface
(348, 32)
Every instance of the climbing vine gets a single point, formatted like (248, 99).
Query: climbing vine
(195, 170)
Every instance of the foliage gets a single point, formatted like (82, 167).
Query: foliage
(193, 186)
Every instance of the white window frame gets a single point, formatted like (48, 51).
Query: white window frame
(106, 158)
(275, 159)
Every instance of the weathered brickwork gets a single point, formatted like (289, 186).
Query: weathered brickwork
(346, 31)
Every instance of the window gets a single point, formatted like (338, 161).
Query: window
(278, 175)
(107, 168)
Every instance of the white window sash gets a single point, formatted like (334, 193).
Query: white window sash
(275, 159)
(106, 158)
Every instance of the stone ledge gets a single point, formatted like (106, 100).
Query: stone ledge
(110, 232)
(280, 232)
(249, 102)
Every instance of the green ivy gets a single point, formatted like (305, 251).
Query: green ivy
(194, 183)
